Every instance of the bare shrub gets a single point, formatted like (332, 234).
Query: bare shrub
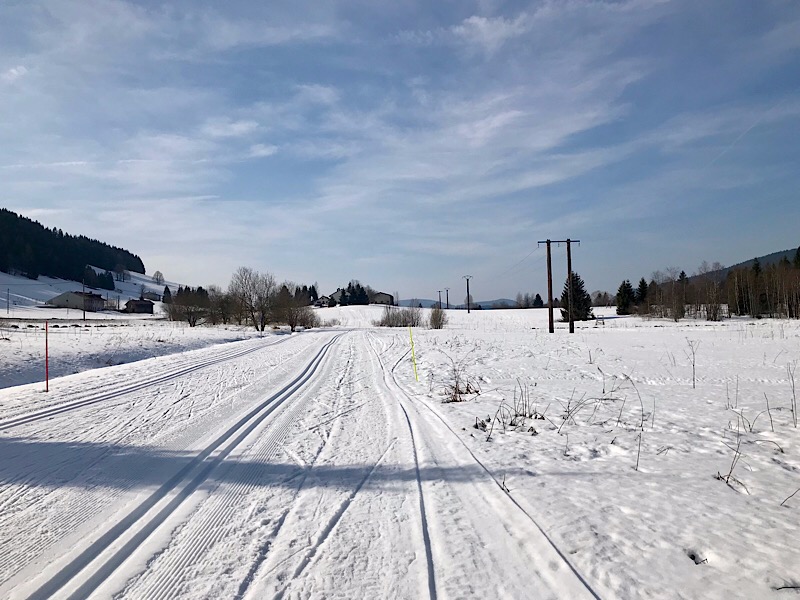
(460, 383)
(394, 316)
(438, 318)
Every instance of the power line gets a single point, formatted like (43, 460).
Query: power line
(515, 265)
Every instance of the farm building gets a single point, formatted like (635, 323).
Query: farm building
(143, 307)
(79, 300)
(382, 298)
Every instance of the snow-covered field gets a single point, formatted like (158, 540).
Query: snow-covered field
(316, 465)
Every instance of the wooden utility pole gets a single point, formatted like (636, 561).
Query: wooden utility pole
(568, 242)
(447, 297)
(468, 277)
(569, 288)
(440, 299)
(550, 290)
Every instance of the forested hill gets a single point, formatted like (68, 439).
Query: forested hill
(28, 248)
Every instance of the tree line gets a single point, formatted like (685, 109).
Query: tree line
(253, 298)
(30, 249)
(712, 294)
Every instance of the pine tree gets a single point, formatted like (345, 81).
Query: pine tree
(641, 292)
(581, 300)
(538, 302)
(167, 295)
(796, 261)
(625, 298)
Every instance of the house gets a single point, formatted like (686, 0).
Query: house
(152, 296)
(382, 298)
(337, 296)
(143, 307)
(79, 300)
(323, 302)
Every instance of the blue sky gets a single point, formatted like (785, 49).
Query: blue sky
(406, 144)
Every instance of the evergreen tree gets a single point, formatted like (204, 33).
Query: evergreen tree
(625, 298)
(641, 292)
(538, 302)
(756, 268)
(797, 259)
(167, 298)
(581, 300)
(312, 292)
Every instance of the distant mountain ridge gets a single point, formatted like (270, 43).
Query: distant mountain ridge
(28, 248)
(765, 261)
(484, 304)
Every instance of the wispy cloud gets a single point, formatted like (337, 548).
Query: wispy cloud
(13, 74)
(444, 137)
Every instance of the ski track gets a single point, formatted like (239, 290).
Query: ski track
(24, 501)
(79, 505)
(213, 520)
(173, 372)
(544, 564)
(342, 481)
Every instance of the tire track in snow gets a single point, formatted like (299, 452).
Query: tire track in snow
(118, 392)
(196, 471)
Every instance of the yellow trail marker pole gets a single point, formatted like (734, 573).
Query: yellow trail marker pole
(413, 356)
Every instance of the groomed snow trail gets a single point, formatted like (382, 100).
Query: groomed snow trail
(298, 469)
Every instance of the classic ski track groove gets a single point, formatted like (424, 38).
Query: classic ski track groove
(237, 433)
(10, 560)
(211, 528)
(134, 387)
(558, 551)
(423, 515)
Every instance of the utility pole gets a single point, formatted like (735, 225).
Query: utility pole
(440, 299)
(568, 242)
(447, 297)
(569, 288)
(8, 301)
(468, 277)
(83, 295)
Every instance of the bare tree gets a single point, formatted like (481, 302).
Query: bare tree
(254, 293)
(219, 305)
(158, 278)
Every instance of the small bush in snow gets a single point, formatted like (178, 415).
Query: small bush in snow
(394, 316)
(438, 318)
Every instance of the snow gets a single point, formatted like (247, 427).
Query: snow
(317, 465)
(24, 298)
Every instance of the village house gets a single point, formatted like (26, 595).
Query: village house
(144, 307)
(382, 298)
(78, 300)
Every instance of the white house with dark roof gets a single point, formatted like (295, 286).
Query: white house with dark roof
(78, 300)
